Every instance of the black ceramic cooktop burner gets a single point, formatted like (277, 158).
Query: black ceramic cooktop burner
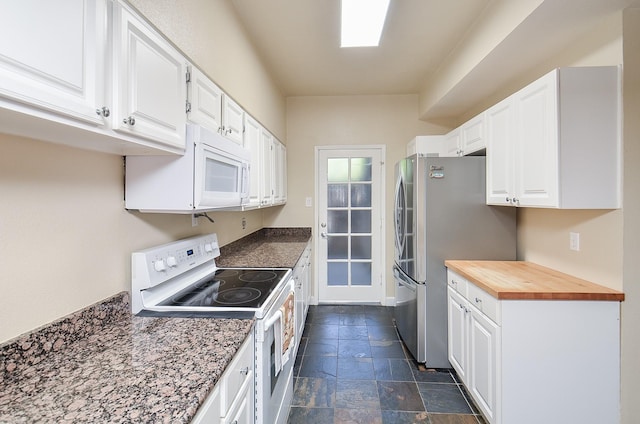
(228, 288)
(238, 295)
(257, 276)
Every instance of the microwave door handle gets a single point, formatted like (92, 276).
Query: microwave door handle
(245, 180)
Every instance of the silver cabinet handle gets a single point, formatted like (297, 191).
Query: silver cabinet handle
(130, 120)
(103, 111)
(478, 300)
(244, 371)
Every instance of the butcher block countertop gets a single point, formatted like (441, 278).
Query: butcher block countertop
(525, 280)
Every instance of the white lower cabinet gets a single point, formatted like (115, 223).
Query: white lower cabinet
(233, 397)
(534, 361)
(302, 282)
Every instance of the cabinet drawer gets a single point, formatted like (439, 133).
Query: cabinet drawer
(486, 303)
(240, 369)
(457, 283)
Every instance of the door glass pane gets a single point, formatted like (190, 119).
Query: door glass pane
(361, 273)
(337, 274)
(361, 195)
(361, 221)
(337, 170)
(360, 169)
(337, 221)
(337, 247)
(361, 247)
(337, 195)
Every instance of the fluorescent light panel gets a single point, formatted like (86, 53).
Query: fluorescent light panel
(362, 22)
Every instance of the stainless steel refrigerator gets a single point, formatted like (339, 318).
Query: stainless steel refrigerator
(440, 213)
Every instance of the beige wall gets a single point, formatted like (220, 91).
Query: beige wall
(347, 120)
(65, 238)
(631, 220)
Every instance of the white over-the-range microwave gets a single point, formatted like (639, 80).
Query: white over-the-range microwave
(212, 174)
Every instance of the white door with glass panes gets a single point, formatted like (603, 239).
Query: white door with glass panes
(350, 221)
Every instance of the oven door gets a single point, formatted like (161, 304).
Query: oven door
(221, 174)
(274, 376)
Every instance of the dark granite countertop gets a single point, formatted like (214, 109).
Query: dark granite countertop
(103, 365)
(266, 248)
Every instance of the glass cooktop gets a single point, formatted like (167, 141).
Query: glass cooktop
(229, 288)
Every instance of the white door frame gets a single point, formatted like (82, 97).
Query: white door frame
(382, 264)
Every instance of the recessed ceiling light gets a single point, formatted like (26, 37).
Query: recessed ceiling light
(362, 22)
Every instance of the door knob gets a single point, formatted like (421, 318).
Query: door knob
(323, 234)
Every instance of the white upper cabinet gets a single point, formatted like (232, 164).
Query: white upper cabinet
(52, 56)
(150, 83)
(89, 74)
(472, 138)
(205, 101)
(279, 173)
(556, 143)
(252, 142)
(268, 183)
(211, 107)
(451, 143)
(232, 120)
(467, 139)
(267, 171)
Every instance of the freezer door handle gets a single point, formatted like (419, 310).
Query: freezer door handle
(402, 281)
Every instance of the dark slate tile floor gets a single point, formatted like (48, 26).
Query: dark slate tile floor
(352, 367)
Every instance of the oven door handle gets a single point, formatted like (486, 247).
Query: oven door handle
(276, 321)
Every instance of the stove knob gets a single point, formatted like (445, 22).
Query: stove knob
(172, 262)
(159, 265)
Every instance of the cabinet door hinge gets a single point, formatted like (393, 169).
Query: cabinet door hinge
(188, 106)
(188, 76)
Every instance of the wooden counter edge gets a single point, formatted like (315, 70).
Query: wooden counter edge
(607, 295)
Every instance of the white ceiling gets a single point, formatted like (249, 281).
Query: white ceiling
(299, 43)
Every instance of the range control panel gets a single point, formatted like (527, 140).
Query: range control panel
(158, 264)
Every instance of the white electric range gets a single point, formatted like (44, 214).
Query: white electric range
(180, 279)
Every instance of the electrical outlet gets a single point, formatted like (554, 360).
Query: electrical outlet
(194, 220)
(574, 241)
(244, 223)
(307, 202)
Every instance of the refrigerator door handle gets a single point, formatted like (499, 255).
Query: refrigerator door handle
(410, 286)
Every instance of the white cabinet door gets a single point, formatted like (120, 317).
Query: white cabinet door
(266, 192)
(150, 82)
(279, 173)
(484, 336)
(205, 101)
(458, 329)
(233, 120)
(500, 121)
(472, 135)
(451, 144)
(536, 158)
(52, 56)
(252, 142)
(307, 281)
(546, 140)
(210, 411)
